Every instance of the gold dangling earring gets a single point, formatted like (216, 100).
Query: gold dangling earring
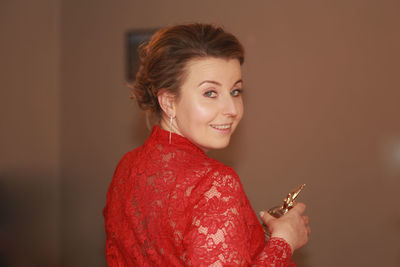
(170, 128)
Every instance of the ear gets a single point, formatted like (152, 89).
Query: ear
(167, 102)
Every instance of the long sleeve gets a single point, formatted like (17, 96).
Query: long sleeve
(116, 254)
(222, 229)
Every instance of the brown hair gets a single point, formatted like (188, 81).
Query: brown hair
(164, 58)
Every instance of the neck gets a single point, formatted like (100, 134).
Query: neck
(165, 125)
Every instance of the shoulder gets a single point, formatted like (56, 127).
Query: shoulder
(125, 165)
(220, 172)
(127, 160)
(218, 178)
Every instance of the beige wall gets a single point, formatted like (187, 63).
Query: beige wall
(29, 135)
(322, 93)
(321, 105)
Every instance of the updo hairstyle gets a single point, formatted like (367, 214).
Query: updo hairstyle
(164, 58)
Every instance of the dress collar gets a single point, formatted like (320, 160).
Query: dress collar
(161, 136)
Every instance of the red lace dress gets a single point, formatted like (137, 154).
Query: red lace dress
(171, 205)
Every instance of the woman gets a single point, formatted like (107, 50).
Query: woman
(168, 203)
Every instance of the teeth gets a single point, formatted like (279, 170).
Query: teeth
(221, 127)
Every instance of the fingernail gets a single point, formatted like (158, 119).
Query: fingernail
(261, 214)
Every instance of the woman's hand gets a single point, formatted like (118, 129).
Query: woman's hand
(293, 226)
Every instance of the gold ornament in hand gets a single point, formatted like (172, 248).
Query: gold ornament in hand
(279, 211)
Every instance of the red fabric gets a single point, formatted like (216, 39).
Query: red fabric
(171, 205)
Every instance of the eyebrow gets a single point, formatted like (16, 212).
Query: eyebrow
(217, 83)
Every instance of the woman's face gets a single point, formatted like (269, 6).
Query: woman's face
(210, 103)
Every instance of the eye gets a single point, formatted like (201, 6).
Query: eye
(210, 94)
(236, 92)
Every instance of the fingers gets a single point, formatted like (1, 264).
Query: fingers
(306, 220)
(299, 207)
(293, 226)
(266, 217)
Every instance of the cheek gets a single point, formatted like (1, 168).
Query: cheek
(240, 109)
(197, 112)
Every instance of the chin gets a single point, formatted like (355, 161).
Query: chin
(219, 145)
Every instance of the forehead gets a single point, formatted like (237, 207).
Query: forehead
(210, 68)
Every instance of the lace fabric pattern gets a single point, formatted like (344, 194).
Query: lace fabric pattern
(171, 205)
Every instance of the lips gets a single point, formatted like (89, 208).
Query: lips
(221, 126)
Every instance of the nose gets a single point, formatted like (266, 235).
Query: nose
(230, 106)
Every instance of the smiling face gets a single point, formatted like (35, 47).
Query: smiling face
(209, 106)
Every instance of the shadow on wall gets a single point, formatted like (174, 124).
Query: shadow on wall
(301, 257)
(28, 220)
(140, 127)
